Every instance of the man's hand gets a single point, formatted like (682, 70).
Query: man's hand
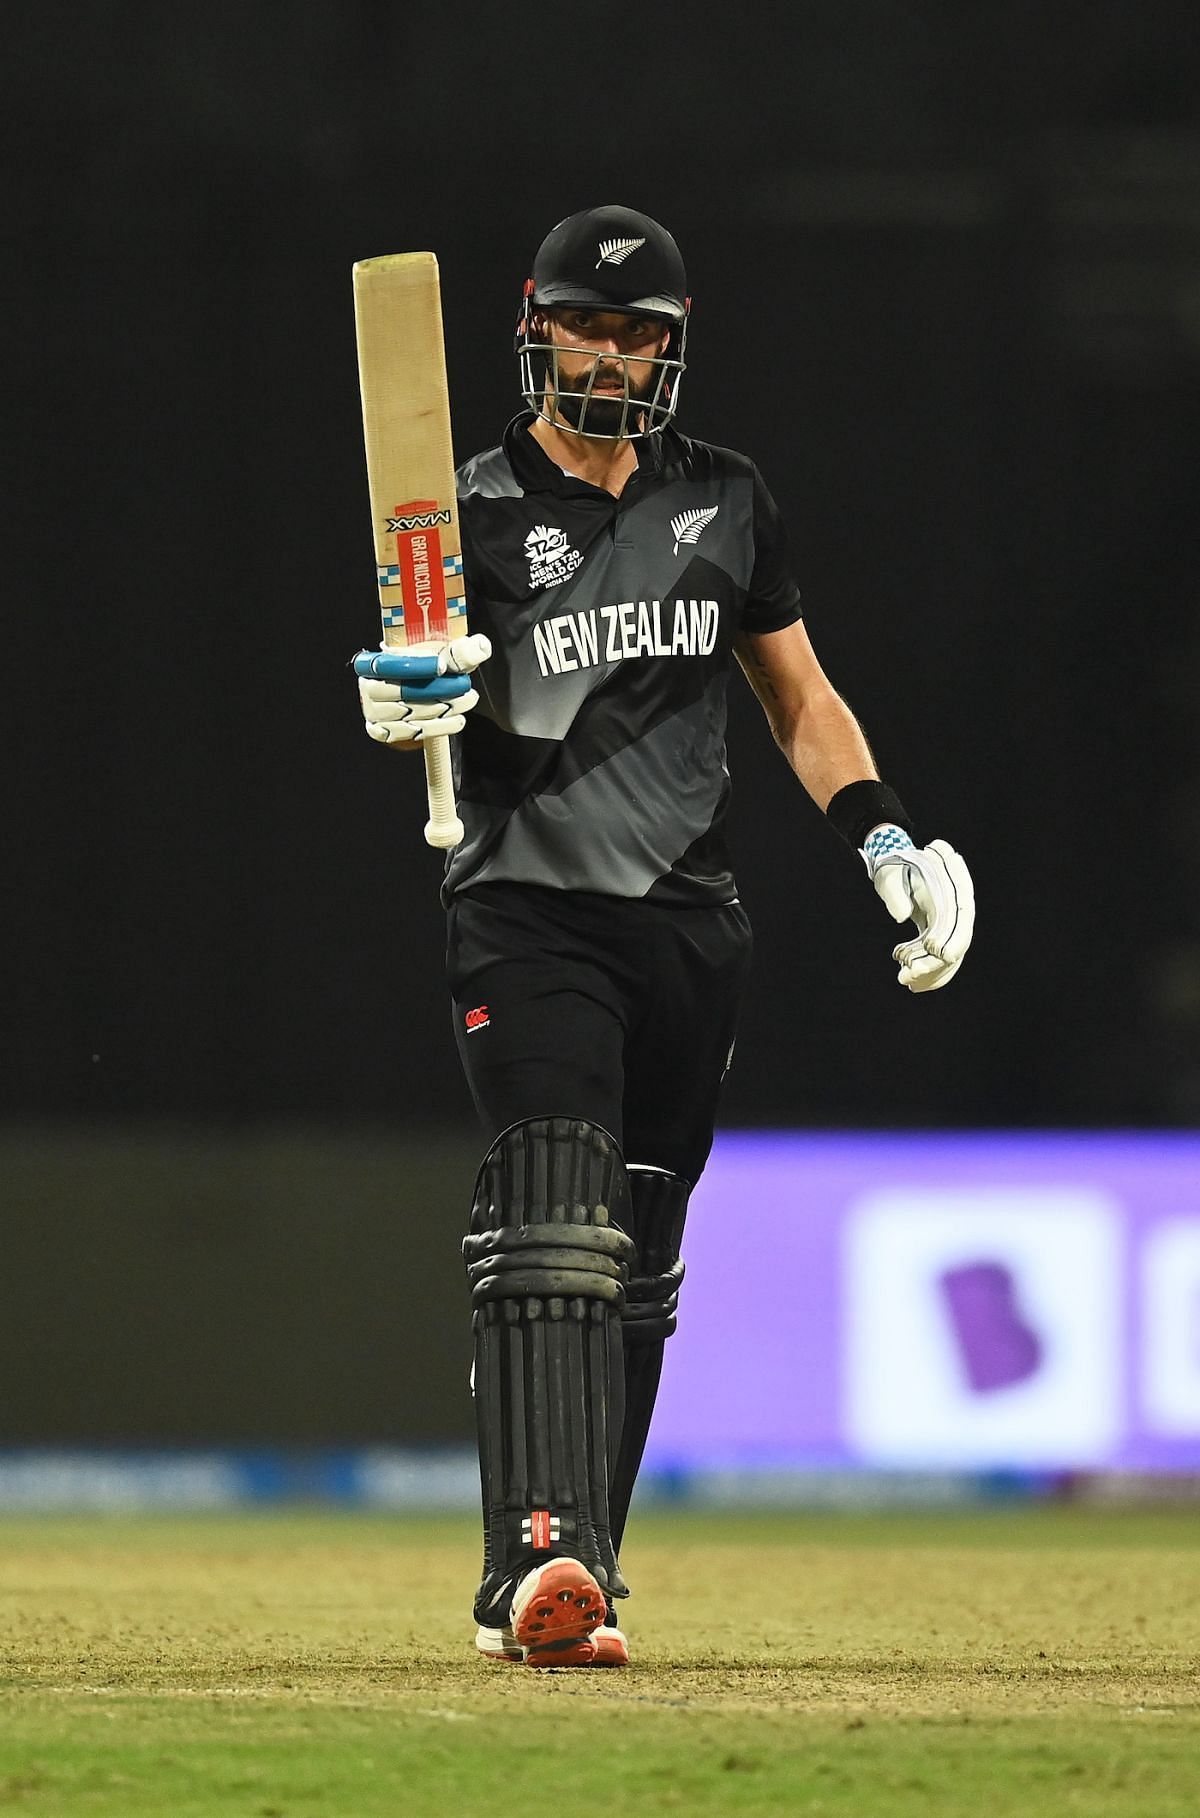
(408, 699)
(931, 886)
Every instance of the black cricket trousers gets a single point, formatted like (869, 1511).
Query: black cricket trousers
(572, 1004)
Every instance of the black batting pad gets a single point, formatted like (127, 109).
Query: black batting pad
(547, 1261)
(658, 1206)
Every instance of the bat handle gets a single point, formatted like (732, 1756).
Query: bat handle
(443, 827)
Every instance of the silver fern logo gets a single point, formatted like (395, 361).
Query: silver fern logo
(615, 252)
(688, 525)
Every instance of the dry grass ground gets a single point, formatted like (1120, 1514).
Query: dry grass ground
(1039, 1661)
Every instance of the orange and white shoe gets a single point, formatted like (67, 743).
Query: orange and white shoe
(555, 1609)
(558, 1620)
(612, 1649)
(499, 1644)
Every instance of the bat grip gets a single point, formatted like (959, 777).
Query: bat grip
(443, 827)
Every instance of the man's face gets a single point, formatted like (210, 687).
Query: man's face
(608, 343)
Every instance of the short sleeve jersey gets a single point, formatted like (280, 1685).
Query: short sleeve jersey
(595, 759)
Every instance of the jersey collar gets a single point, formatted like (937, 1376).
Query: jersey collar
(536, 472)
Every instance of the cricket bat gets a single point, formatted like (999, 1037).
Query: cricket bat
(410, 473)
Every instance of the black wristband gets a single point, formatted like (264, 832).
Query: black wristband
(858, 807)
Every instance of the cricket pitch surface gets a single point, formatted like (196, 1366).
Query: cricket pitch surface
(1033, 1661)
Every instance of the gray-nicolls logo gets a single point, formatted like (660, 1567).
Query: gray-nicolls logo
(551, 558)
(688, 525)
(615, 252)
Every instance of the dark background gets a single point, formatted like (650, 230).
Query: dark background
(946, 269)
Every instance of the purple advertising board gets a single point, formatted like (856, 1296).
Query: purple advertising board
(939, 1302)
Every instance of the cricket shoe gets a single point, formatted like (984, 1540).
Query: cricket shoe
(612, 1648)
(557, 1620)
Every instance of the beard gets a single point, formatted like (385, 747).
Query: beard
(603, 416)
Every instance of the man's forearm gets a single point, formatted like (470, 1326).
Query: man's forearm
(809, 720)
(827, 748)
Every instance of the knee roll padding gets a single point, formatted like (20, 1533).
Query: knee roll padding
(547, 1272)
(658, 1207)
(540, 1222)
(554, 1260)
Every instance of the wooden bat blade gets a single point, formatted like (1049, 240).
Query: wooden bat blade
(410, 476)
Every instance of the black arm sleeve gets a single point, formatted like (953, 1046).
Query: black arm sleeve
(773, 600)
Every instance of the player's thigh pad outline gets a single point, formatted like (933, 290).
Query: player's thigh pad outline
(547, 1262)
(658, 1208)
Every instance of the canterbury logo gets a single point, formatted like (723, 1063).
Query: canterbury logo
(419, 520)
(688, 525)
(615, 252)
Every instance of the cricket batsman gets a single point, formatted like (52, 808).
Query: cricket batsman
(597, 951)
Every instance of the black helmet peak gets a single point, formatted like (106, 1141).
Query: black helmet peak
(611, 258)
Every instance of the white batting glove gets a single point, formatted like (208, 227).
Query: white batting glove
(931, 886)
(407, 699)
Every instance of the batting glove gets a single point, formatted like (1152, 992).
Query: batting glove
(931, 886)
(407, 699)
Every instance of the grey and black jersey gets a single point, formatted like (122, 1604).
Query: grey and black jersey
(595, 759)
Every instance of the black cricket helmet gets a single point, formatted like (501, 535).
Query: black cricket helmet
(606, 259)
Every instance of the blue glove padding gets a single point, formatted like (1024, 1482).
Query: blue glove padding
(396, 666)
(418, 674)
(408, 697)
